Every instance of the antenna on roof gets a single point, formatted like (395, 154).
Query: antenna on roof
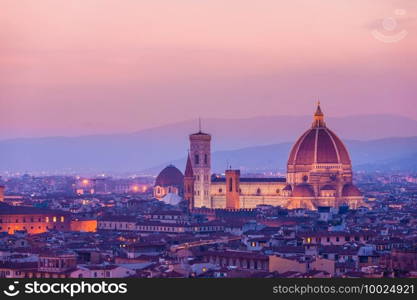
(199, 124)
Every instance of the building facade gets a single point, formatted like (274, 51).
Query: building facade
(169, 181)
(32, 220)
(319, 173)
(200, 152)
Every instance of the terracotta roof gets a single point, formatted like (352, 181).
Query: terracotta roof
(319, 145)
(349, 190)
(170, 176)
(6, 209)
(303, 190)
(328, 187)
(251, 179)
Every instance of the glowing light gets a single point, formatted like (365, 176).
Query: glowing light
(135, 188)
(54, 219)
(85, 181)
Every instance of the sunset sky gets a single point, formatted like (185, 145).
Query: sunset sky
(104, 66)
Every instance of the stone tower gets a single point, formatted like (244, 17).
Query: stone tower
(232, 189)
(189, 184)
(2, 193)
(200, 156)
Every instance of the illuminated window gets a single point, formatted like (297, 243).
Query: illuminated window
(54, 219)
(47, 219)
(62, 218)
(308, 240)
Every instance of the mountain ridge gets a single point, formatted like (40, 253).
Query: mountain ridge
(145, 149)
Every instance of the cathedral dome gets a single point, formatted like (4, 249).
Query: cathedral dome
(170, 176)
(303, 190)
(319, 145)
(349, 190)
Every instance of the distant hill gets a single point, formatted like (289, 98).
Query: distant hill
(382, 154)
(262, 142)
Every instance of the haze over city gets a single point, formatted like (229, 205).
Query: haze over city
(81, 67)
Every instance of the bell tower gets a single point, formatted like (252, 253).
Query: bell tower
(200, 156)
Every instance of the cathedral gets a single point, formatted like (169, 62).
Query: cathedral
(319, 173)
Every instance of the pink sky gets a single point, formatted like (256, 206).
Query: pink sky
(100, 66)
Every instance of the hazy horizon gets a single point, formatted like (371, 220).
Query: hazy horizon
(196, 121)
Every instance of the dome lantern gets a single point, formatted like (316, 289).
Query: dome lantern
(319, 117)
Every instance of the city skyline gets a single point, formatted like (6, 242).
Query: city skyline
(208, 139)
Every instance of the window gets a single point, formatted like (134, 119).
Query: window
(258, 191)
(205, 159)
(196, 159)
(62, 219)
(230, 185)
(220, 190)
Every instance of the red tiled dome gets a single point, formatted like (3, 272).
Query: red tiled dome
(170, 176)
(349, 190)
(303, 190)
(319, 145)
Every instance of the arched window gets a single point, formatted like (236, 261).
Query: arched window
(258, 191)
(196, 159)
(230, 185)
